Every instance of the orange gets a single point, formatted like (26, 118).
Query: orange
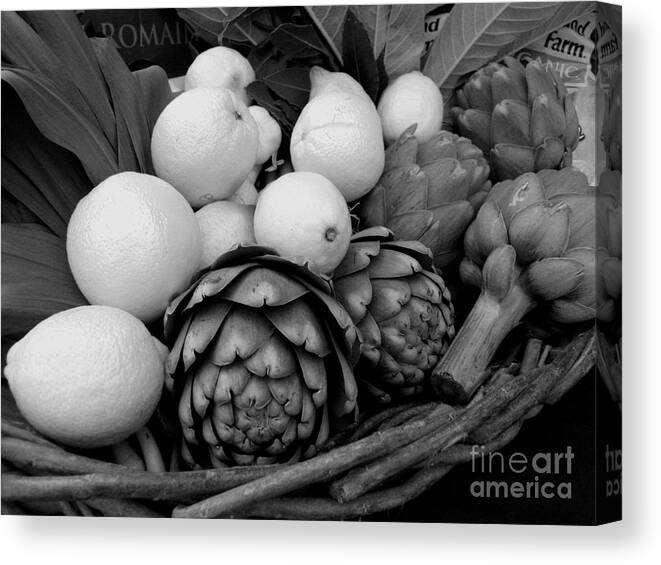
(304, 217)
(338, 134)
(221, 67)
(133, 242)
(204, 144)
(223, 225)
(87, 377)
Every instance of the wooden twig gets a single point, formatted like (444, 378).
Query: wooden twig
(181, 486)
(37, 458)
(300, 508)
(531, 354)
(457, 427)
(321, 468)
(112, 507)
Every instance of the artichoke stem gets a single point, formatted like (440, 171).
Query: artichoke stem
(462, 369)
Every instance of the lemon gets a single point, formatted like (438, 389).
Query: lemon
(222, 225)
(270, 134)
(304, 217)
(133, 242)
(221, 67)
(87, 377)
(411, 98)
(204, 144)
(338, 134)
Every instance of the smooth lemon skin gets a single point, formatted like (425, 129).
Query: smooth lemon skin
(411, 98)
(270, 134)
(221, 67)
(338, 135)
(304, 217)
(133, 243)
(223, 225)
(87, 377)
(205, 144)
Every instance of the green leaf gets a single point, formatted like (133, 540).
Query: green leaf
(298, 41)
(22, 47)
(262, 96)
(58, 120)
(405, 39)
(475, 34)
(358, 56)
(36, 280)
(62, 32)
(293, 85)
(216, 25)
(374, 18)
(155, 91)
(251, 27)
(133, 138)
(329, 21)
(41, 175)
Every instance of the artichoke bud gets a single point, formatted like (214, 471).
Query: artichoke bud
(539, 82)
(470, 273)
(490, 230)
(547, 119)
(515, 195)
(500, 272)
(510, 123)
(554, 277)
(478, 92)
(261, 359)
(440, 146)
(403, 151)
(550, 154)
(509, 161)
(448, 181)
(540, 230)
(476, 125)
(507, 84)
(564, 181)
(408, 322)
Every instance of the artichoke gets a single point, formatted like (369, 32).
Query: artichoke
(401, 308)
(533, 242)
(260, 362)
(429, 192)
(521, 117)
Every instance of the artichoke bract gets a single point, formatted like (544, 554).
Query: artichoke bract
(533, 242)
(402, 310)
(521, 117)
(260, 361)
(429, 192)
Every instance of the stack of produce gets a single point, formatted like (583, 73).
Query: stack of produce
(182, 286)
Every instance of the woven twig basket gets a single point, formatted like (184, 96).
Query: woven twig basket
(384, 460)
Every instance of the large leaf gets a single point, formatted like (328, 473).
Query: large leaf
(293, 85)
(36, 280)
(374, 18)
(155, 91)
(62, 32)
(405, 39)
(358, 57)
(40, 175)
(329, 20)
(133, 137)
(297, 41)
(59, 121)
(216, 24)
(475, 34)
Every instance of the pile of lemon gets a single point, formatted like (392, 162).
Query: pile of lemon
(92, 376)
